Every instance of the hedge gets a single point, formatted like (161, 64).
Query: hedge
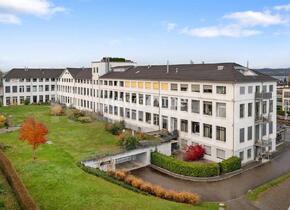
(230, 164)
(23, 197)
(185, 168)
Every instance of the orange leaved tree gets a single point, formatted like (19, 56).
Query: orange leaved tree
(34, 133)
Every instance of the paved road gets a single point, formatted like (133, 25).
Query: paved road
(225, 190)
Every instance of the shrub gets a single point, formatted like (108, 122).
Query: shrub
(74, 114)
(85, 119)
(130, 142)
(56, 110)
(230, 164)
(185, 168)
(194, 152)
(26, 101)
(2, 120)
(115, 128)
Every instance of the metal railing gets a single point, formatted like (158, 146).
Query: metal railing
(263, 95)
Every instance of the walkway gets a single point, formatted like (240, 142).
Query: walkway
(10, 129)
(225, 190)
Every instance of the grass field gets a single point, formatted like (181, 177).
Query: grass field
(54, 180)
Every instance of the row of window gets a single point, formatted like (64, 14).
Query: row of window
(34, 99)
(258, 128)
(34, 80)
(257, 108)
(27, 88)
(257, 89)
(77, 90)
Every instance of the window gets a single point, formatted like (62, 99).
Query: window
(14, 89)
(264, 129)
(127, 97)
(127, 111)
(207, 88)
(110, 108)
(249, 153)
(156, 101)
(221, 110)
(195, 127)
(7, 89)
(134, 114)
(34, 88)
(264, 107)
(271, 88)
(173, 87)
(115, 110)
(207, 108)
(221, 90)
(52, 87)
(242, 135)
(221, 154)
(21, 88)
(242, 90)
(121, 112)
(195, 88)
(207, 150)
(242, 155)
(164, 122)
(28, 88)
(141, 99)
(207, 130)
(184, 105)
(148, 100)
(173, 103)
(140, 116)
(165, 102)
(46, 87)
(242, 110)
(195, 106)
(134, 98)
(183, 87)
(250, 109)
(184, 125)
(264, 88)
(148, 117)
(270, 127)
(250, 89)
(121, 83)
(257, 89)
(156, 119)
(271, 106)
(220, 133)
(250, 133)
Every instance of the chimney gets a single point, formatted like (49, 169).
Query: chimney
(176, 70)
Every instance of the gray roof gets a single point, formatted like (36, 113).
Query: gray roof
(81, 73)
(189, 72)
(27, 73)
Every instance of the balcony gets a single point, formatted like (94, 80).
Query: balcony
(264, 142)
(260, 118)
(263, 95)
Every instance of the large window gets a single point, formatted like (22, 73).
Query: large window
(242, 110)
(242, 135)
(195, 127)
(7, 90)
(242, 90)
(207, 88)
(134, 114)
(195, 88)
(140, 116)
(134, 98)
(221, 90)
(195, 106)
(207, 130)
(221, 154)
(221, 110)
(148, 117)
(173, 103)
(127, 113)
(221, 133)
(165, 102)
(207, 108)
(183, 87)
(250, 109)
(156, 119)
(14, 89)
(165, 122)
(250, 133)
(184, 105)
(184, 125)
(173, 86)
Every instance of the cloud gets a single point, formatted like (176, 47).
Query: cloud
(33, 7)
(170, 26)
(9, 19)
(285, 7)
(252, 18)
(220, 31)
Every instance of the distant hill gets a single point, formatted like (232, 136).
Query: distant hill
(274, 72)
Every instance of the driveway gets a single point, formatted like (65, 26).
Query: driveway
(226, 190)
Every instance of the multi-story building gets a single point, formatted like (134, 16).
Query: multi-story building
(284, 97)
(32, 85)
(227, 108)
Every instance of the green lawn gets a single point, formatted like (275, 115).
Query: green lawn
(54, 180)
(257, 192)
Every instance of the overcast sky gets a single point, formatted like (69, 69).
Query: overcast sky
(61, 33)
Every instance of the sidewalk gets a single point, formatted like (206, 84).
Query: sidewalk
(10, 129)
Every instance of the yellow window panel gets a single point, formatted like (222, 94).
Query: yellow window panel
(148, 85)
(155, 85)
(140, 84)
(133, 84)
(127, 84)
(164, 86)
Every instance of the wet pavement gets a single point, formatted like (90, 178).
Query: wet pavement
(226, 190)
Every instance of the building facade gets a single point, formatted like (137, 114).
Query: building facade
(227, 108)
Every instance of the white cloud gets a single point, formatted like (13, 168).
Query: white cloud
(170, 26)
(220, 31)
(285, 7)
(252, 18)
(34, 7)
(9, 19)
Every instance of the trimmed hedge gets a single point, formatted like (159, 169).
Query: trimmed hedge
(25, 200)
(185, 168)
(230, 164)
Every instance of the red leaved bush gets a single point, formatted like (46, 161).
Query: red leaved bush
(33, 132)
(194, 152)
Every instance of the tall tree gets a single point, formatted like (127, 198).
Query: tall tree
(34, 133)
